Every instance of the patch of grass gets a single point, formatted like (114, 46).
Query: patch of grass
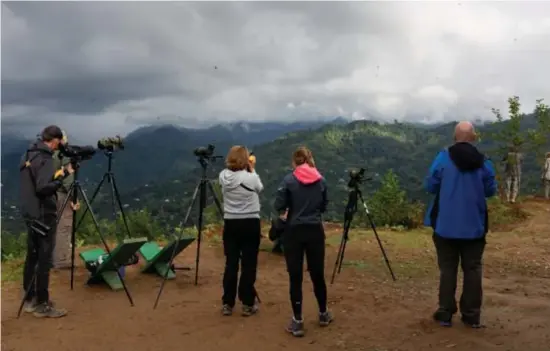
(501, 213)
(12, 270)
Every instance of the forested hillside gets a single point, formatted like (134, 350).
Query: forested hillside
(157, 170)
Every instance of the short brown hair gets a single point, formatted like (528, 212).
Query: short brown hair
(547, 154)
(303, 155)
(237, 158)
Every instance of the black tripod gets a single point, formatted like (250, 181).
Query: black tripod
(200, 190)
(351, 209)
(203, 185)
(109, 176)
(72, 196)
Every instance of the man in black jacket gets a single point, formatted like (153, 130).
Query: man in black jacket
(39, 182)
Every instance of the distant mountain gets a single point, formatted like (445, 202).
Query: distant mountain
(405, 148)
(152, 154)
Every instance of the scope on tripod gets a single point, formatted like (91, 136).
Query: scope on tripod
(111, 144)
(356, 177)
(204, 151)
(76, 153)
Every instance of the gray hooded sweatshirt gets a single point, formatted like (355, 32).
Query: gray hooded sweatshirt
(240, 194)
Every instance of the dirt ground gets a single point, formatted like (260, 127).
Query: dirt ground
(371, 311)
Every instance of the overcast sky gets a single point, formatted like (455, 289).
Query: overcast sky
(100, 68)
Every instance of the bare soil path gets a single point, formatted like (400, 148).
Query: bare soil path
(372, 312)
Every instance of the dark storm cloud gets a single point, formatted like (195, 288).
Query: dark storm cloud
(106, 66)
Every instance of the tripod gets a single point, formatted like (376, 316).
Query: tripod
(203, 185)
(109, 176)
(351, 209)
(73, 193)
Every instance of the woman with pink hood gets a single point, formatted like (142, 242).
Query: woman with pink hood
(304, 193)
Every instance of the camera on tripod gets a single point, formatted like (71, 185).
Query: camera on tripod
(111, 144)
(204, 151)
(356, 178)
(76, 153)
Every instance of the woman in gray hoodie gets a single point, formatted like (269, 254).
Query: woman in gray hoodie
(242, 231)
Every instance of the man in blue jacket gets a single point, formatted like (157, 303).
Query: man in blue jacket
(461, 178)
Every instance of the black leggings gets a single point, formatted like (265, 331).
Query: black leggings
(241, 243)
(308, 239)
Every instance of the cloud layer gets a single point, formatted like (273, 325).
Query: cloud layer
(104, 67)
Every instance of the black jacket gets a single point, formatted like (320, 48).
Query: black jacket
(304, 193)
(38, 196)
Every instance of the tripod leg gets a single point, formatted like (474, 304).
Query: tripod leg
(174, 250)
(116, 195)
(202, 205)
(341, 250)
(27, 291)
(73, 194)
(377, 237)
(216, 200)
(96, 191)
(381, 247)
(96, 224)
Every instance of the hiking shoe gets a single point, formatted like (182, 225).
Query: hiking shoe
(325, 318)
(250, 310)
(227, 310)
(472, 324)
(444, 319)
(47, 310)
(296, 328)
(29, 306)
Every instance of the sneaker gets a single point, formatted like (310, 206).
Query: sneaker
(325, 318)
(444, 319)
(295, 327)
(472, 324)
(30, 306)
(250, 310)
(47, 310)
(227, 310)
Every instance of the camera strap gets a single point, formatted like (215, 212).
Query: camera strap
(247, 188)
(27, 165)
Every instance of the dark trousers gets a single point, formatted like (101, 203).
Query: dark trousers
(308, 240)
(39, 261)
(470, 254)
(241, 242)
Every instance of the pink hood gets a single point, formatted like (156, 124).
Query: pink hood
(307, 174)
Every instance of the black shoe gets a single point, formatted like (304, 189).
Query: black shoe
(47, 310)
(227, 310)
(470, 323)
(250, 310)
(325, 318)
(296, 328)
(445, 319)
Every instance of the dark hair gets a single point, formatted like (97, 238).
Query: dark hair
(51, 132)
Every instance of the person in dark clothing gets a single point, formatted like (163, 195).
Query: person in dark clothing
(39, 183)
(304, 194)
(278, 227)
(242, 230)
(461, 179)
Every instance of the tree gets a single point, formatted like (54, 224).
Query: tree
(389, 203)
(540, 137)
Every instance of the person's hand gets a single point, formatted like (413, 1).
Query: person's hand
(252, 162)
(76, 206)
(69, 168)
